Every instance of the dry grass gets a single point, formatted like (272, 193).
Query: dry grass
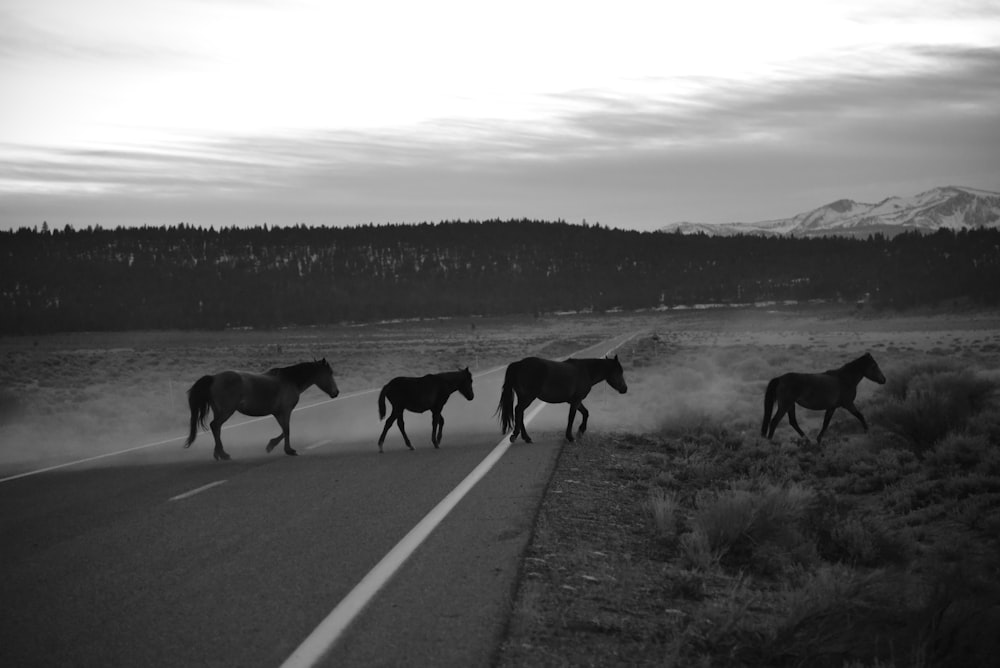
(729, 550)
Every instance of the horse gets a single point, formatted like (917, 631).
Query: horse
(555, 383)
(275, 392)
(419, 395)
(827, 391)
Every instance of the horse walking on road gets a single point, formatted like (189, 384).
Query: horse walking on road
(275, 392)
(418, 395)
(827, 391)
(555, 383)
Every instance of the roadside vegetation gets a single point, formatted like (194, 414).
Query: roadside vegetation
(695, 542)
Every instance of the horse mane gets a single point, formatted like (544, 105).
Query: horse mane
(854, 366)
(297, 373)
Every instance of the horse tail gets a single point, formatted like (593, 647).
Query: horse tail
(505, 409)
(200, 400)
(381, 403)
(769, 396)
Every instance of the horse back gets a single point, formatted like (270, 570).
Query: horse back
(550, 380)
(415, 394)
(815, 391)
(259, 393)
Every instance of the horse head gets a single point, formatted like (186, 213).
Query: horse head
(872, 370)
(465, 387)
(616, 375)
(324, 378)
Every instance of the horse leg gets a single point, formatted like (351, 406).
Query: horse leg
(782, 409)
(437, 428)
(399, 423)
(569, 423)
(793, 421)
(586, 414)
(385, 430)
(217, 420)
(284, 420)
(274, 441)
(853, 410)
(826, 423)
(519, 421)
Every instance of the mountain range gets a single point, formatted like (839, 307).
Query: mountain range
(950, 207)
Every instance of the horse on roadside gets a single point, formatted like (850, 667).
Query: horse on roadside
(827, 391)
(419, 395)
(275, 392)
(555, 383)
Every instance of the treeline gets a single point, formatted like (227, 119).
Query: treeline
(185, 277)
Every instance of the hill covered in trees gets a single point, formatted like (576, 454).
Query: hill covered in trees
(185, 277)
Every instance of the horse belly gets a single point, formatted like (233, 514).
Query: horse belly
(819, 393)
(260, 396)
(558, 392)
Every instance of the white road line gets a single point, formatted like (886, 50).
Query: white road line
(325, 636)
(322, 639)
(197, 490)
(319, 444)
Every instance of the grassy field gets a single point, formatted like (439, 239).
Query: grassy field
(672, 533)
(677, 536)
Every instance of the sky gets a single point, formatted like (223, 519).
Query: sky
(630, 114)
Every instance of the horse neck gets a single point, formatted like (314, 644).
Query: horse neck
(301, 375)
(854, 371)
(597, 370)
(452, 380)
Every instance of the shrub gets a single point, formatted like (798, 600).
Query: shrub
(742, 526)
(934, 405)
(663, 509)
(842, 616)
(963, 453)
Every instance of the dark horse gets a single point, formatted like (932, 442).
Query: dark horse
(275, 392)
(555, 383)
(827, 391)
(419, 395)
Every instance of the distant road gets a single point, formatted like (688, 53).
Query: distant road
(162, 557)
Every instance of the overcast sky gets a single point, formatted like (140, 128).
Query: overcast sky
(631, 114)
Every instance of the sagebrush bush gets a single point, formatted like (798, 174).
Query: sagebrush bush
(663, 510)
(934, 405)
(957, 453)
(743, 526)
(843, 616)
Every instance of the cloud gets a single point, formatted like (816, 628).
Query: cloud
(725, 150)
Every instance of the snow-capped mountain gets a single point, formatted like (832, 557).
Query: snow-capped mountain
(950, 207)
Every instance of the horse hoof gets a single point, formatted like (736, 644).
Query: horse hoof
(221, 456)
(291, 453)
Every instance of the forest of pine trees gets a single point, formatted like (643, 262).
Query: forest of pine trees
(185, 277)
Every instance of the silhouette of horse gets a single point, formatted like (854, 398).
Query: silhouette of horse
(275, 392)
(555, 383)
(827, 391)
(419, 395)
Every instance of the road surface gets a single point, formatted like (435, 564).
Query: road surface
(163, 557)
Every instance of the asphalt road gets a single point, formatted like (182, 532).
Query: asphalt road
(164, 557)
